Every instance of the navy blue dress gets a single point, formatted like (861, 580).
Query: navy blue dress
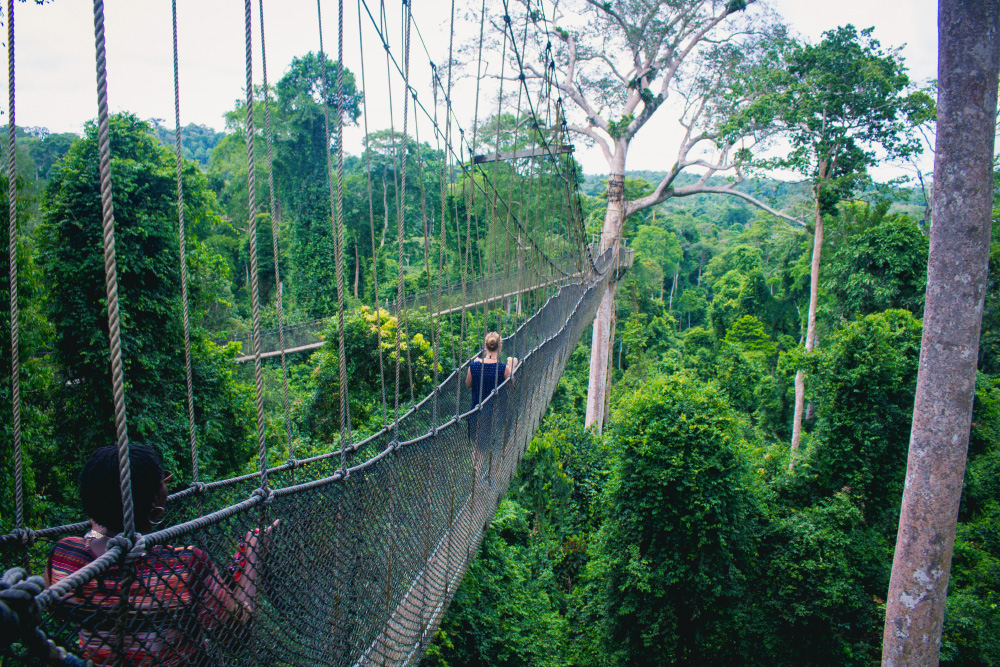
(485, 379)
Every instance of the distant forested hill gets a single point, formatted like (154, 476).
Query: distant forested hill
(197, 140)
(779, 194)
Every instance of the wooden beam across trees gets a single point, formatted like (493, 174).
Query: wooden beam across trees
(523, 153)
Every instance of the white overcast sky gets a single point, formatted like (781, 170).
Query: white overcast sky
(55, 57)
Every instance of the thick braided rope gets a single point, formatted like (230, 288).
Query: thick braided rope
(401, 198)
(345, 416)
(336, 213)
(275, 221)
(15, 358)
(371, 221)
(252, 205)
(111, 271)
(470, 203)
(435, 317)
(385, 208)
(183, 253)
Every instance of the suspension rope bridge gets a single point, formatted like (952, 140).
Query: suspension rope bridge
(307, 336)
(371, 538)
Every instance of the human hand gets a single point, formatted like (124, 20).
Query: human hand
(256, 542)
(250, 550)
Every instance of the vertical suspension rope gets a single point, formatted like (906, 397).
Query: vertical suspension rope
(469, 203)
(345, 415)
(183, 252)
(252, 205)
(15, 358)
(275, 221)
(337, 211)
(401, 200)
(492, 216)
(111, 273)
(371, 220)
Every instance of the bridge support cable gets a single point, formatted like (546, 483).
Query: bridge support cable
(251, 136)
(275, 229)
(336, 192)
(371, 221)
(111, 271)
(15, 360)
(182, 243)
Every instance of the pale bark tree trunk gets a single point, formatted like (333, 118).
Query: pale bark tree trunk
(800, 383)
(672, 286)
(600, 346)
(611, 365)
(968, 63)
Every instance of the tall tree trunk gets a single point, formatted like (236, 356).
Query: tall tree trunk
(357, 270)
(611, 365)
(672, 286)
(968, 63)
(800, 383)
(600, 345)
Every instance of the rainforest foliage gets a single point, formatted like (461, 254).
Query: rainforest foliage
(680, 537)
(677, 537)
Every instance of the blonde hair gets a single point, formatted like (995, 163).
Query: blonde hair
(493, 341)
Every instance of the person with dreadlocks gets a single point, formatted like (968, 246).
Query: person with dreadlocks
(174, 593)
(483, 378)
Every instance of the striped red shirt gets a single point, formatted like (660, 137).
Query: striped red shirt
(174, 598)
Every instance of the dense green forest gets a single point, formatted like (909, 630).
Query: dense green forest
(680, 535)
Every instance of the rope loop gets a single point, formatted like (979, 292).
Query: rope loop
(344, 473)
(267, 494)
(200, 488)
(19, 611)
(132, 550)
(25, 536)
(20, 616)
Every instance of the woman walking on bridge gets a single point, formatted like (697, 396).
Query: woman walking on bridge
(483, 378)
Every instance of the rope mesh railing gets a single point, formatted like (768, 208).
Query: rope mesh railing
(504, 288)
(364, 559)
